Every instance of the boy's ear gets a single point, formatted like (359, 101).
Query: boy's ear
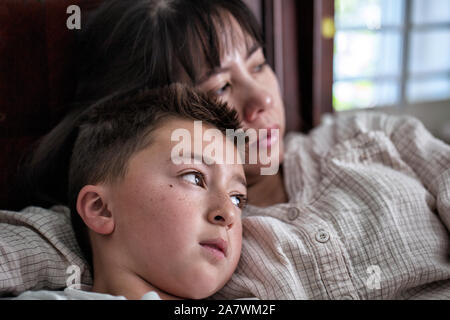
(93, 209)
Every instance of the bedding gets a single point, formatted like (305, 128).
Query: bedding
(368, 217)
(76, 294)
(37, 246)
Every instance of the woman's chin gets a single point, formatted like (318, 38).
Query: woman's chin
(255, 172)
(270, 166)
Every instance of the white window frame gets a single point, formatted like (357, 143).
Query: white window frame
(405, 31)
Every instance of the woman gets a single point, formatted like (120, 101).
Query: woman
(215, 46)
(359, 209)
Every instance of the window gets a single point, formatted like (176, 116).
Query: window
(391, 53)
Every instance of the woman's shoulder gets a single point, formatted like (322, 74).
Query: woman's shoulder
(340, 127)
(38, 246)
(293, 139)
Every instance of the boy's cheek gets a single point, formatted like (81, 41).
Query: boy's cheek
(237, 238)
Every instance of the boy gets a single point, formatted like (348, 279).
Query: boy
(146, 223)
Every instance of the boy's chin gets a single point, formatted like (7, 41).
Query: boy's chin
(201, 287)
(200, 293)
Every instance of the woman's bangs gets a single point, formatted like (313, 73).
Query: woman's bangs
(216, 35)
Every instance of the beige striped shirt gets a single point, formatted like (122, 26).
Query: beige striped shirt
(367, 218)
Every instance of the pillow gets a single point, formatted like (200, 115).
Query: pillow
(38, 250)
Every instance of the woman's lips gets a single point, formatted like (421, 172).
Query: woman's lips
(272, 137)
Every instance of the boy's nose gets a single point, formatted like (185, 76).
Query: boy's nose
(223, 216)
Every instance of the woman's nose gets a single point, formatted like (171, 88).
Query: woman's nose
(223, 215)
(258, 101)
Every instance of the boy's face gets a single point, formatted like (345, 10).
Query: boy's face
(178, 226)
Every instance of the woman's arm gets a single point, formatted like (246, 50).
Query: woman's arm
(37, 246)
(426, 155)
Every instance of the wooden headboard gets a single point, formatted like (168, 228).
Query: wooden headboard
(37, 63)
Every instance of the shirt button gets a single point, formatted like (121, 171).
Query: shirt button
(322, 236)
(293, 213)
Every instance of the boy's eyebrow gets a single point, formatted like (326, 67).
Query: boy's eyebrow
(240, 179)
(207, 161)
(218, 70)
(210, 163)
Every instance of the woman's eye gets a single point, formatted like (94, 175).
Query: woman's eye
(239, 200)
(196, 178)
(260, 67)
(222, 90)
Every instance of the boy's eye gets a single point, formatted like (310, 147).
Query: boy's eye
(196, 178)
(239, 200)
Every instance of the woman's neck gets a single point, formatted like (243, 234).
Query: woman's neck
(264, 191)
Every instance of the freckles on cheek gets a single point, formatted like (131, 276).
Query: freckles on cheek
(151, 190)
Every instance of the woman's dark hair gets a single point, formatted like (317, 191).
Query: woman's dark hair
(127, 44)
(130, 43)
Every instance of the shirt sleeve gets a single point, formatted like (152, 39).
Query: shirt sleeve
(426, 155)
(36, 248)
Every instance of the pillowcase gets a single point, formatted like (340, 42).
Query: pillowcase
(38, 250)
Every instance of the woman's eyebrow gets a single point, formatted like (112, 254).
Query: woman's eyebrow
(211, 73)
(252, 50)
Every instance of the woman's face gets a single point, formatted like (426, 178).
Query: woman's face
(248, 84)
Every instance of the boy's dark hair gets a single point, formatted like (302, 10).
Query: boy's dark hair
(110, 132)
(129, 43)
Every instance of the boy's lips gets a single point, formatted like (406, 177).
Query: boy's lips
(217, 247)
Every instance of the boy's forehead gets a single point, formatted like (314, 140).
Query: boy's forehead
(174, 130)
(196, 140)
(170, 125)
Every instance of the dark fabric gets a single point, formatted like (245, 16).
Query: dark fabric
(37, 79)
